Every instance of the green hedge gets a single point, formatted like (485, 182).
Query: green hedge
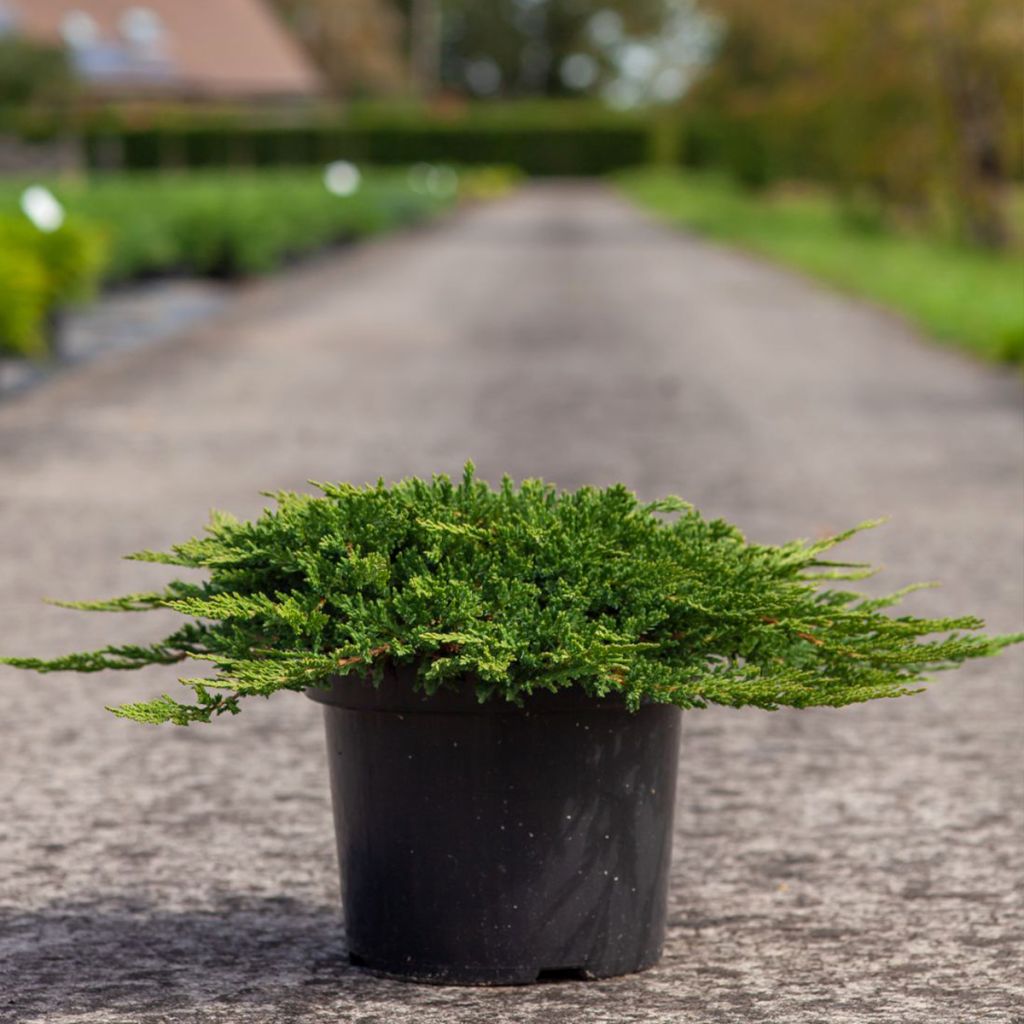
(556, 139)
(539, 151)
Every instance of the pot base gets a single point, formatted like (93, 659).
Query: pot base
(448, 974)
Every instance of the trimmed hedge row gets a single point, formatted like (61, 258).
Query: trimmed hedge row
(538, 141)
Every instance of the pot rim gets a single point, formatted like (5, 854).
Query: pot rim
(397, 693)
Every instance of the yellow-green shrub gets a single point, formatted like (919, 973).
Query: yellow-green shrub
(40, 272)
(23, 305)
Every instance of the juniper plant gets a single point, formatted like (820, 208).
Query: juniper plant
(520, 589)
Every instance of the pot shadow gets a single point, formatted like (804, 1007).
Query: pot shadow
(140, 960)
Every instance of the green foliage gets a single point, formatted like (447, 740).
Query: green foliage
(529, 47)
(42, 272)
(521, 589)
(568, 138)
(965, 296)
(34, 74)
(23, 307)
(917, 104)
(231, 225)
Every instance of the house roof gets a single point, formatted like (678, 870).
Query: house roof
(218, 49)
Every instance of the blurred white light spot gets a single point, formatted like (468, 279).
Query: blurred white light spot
(605, 28)
(669, 84)
(41, 207)
(638, 60)
(483, 76)
(656, 68)
(78, 29)
(442, 181)
(342, 178)
(141, 26)
(419, 177)
(578, 71)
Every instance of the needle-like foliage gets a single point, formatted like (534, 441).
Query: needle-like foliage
(520, 589)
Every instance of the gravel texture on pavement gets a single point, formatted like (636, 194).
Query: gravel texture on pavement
(852, 866)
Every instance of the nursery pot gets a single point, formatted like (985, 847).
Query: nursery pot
(493, 844)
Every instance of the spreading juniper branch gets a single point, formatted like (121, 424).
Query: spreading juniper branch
(519, 589)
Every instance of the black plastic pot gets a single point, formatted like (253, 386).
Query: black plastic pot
(493, 844)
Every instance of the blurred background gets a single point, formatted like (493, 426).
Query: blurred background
(826, 134)
(584, 219)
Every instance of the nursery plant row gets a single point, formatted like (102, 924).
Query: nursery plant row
(123, 227)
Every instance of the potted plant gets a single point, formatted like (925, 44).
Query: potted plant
(502, 673)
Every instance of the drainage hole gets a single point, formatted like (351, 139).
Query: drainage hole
(562, 974)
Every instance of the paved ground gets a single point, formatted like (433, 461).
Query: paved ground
(126, 318)
(853, 866)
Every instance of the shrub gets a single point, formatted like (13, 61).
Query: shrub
(487, 182)
(74, 256)
(23, 305)
(249, 224)
(44, 272)
(520, 589)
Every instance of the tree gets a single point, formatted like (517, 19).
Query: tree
(911, 104)
(33, 75)
(534, 47)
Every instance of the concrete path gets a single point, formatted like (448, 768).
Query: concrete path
(146, 313)
(855, 866)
